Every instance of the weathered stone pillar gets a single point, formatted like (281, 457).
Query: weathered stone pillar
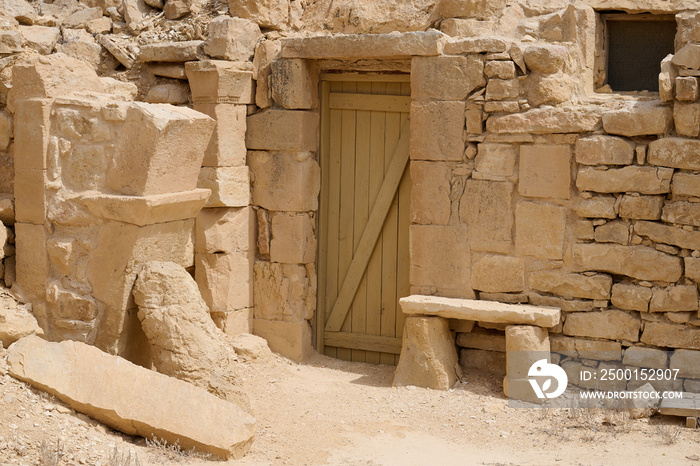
(525, 345)
(225, 233)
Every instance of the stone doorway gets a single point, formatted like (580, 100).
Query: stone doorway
(364, 215)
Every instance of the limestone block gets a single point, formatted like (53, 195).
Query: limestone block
(685, 184)
(610, 325)
(525, 345)
(266, 52)
(475, 45)
(688, 56)
(668, 234)
(101, 25)
(220, 81)
(225, 230)
(430, 193)
(358, 46)
(503, 89)
(112, 268)
(440, 260)
(134, 12)
(613, 232)
(671, 335)
(596, 207)
(645, 180)
(675, 153)
(63, 254)
(238, 322)
(638, 262)
(230, 186)
(428, 354)
(639, 120)
(81, 17)
(540, 230)
(168, 70)
(225, 280)
(692, 268)
(43, 39)
(364, 18)
(645, 357)
(171, 51)
(20, 10)
(545, 58)
(32, 259)
(631, 297)
(499, 69)
(31, 125)
(285, 181)
(146, 210)
(485, 312)
(232, 39)
(169, 93)
(272, 14)
(482, 9)
(642, 207)
(446, 77)
(488, 361)
(571, 285)
(227, 144)
(545, 171)
(284, 130)
(30, 197)
(16, 322)
(687, 89)
(687, 362)
(486, 208)
(498, 274)
(290, 339)
(686, 117)
(677, 298)
(160, 150)
(293, 238)
(284, 291)
(436, 130)
(294, 83)
(548, 89)
(466, 27)
(10, 41)
(483, 341)
(681, 212)
(604, 150)
(547, 120)
(667, 79)
(75, 373)
(495, 160)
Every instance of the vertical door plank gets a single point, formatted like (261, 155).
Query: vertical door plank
(362, 209)
(347, 201)
(334, 152)
(388, 315)
(374, 267)
(322, 219)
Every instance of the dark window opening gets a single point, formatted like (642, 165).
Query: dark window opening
(635, 46)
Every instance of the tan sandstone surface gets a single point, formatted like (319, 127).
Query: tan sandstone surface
(329, 411)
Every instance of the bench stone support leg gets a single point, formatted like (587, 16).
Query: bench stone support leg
(428, 355)
(525, 345)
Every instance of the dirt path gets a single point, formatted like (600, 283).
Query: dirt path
(333, 412)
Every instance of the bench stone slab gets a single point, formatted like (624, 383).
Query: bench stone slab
(485, 311)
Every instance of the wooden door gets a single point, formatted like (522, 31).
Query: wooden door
(364, 216)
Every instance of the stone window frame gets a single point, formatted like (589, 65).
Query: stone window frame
(601, 44)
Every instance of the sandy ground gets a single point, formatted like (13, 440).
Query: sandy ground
(329, 411)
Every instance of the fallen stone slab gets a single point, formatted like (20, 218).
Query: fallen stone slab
(132, 399)
(485, 311)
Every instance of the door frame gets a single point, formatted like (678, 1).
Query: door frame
(324, 89)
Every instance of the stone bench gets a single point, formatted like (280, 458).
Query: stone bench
(429, 353)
